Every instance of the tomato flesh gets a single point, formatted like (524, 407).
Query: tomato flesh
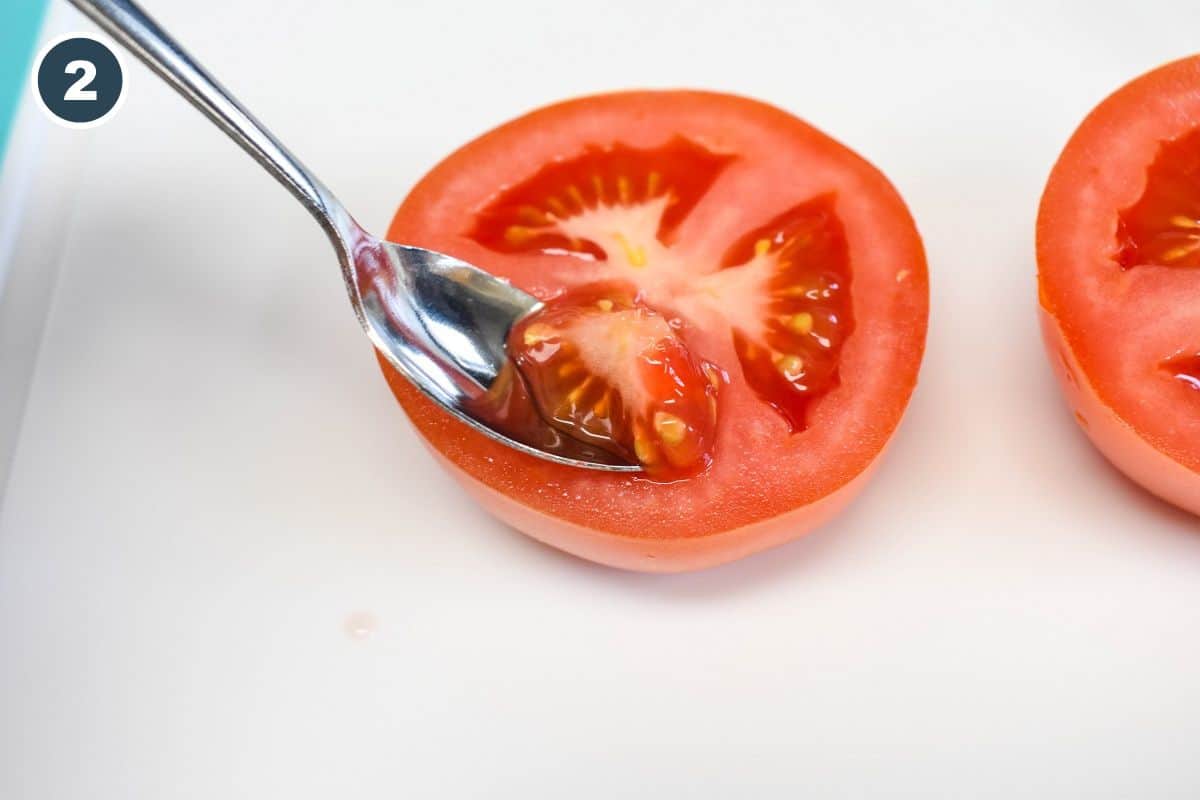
(613, 373)
(1163, 227)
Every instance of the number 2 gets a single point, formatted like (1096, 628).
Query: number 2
(78, 90)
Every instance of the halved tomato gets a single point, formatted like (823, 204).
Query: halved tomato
(1118, 248)
(735, 300)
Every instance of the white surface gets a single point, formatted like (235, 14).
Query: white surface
(39, 177)
(212, 477)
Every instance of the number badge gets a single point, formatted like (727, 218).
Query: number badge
(78, 80)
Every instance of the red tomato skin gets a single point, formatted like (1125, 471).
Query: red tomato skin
(662, 555)
(702, 522)
(1121, 444)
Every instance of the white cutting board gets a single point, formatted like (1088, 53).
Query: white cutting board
(228, 569)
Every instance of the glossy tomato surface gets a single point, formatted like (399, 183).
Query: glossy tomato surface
(737, 301)
(1118, 245)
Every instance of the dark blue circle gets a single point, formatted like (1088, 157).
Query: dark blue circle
(55, 82)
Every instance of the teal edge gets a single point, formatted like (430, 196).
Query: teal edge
(20, 21)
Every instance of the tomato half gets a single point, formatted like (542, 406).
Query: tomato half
(1118, 247)
(736, 301)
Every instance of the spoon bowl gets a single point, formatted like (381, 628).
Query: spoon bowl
(443, 324)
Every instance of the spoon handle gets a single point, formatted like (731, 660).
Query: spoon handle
(142, 36)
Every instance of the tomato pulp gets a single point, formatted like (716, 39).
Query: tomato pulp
(1118, 247)
(735, 300)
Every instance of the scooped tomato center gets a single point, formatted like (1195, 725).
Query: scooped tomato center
(614, 374)
(1163, 226)
(779, 291)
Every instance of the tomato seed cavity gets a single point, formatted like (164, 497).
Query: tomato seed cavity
(1163, 226)
(1185, 368)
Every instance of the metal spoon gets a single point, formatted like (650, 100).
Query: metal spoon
(441, 322)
